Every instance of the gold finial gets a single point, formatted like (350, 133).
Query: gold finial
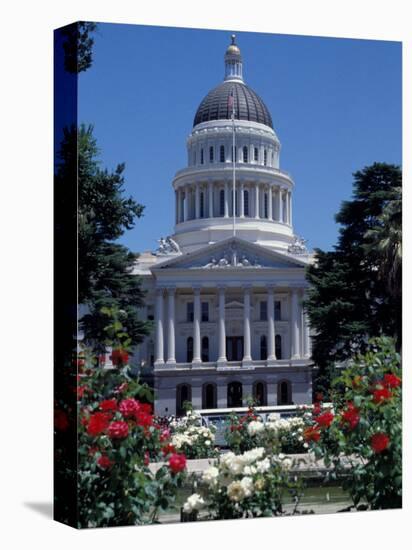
(233, 48)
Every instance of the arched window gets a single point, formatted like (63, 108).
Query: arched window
(260, 394)
(183, 394)
(201, 156)
(265, 157)
(189, 349)
(222, 202)
(256, 154)
(265, 204)
(202, 205)
(246, 202)
(284, 393)
(222, 153)
(211, 154)
(245, 154)
(209, 400)
(263, 348)
(278, 346)
(234, 394)
(205, 349)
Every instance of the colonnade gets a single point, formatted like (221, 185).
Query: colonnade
(215, 199)
(299, 327)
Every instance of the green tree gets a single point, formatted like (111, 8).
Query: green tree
(78, 46)
(104, 214)
(351, 297)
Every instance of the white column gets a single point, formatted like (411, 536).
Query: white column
(196, 327)
(222, 327)
(171, 344)
(271, 324)
(281, 205)
(242, 201)
(257, 201)
(197, 201)
(159, 357)
(306, 336)
(294, 328)
(226, 200)
(247, 357)
(290, 207)
(270, 214)
(210, 199)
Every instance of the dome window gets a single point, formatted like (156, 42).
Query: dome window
(222, 153)
(266, 215)
(245, 154)
(256, 154)
(246, 202)
(202, 205)
(201, 157)
(265, 157)
(211, 154)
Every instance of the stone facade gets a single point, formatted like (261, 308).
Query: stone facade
(225, 291)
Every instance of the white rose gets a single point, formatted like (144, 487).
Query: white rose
(255, 427)
(263, 465)
(210, 476)
(194, 503)
(235, 491)
(247, 485)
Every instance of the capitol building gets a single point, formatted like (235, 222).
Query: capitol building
(225, 290)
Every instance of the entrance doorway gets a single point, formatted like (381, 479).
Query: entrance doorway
(234, 348)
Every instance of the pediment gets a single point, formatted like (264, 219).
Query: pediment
(232, 254)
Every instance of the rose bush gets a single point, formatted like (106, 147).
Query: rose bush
(188, 436)
(276, 434)
(252, 484)
(364, 428)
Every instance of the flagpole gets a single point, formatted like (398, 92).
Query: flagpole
(234, 168)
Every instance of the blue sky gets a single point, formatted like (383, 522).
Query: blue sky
(335, 105)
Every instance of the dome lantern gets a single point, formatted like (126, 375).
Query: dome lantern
(233, 61)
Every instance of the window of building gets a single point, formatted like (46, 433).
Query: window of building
(202, 205)
(284, 393)
(183, 396)
(222, 153)
(201, 156)
(265, 157)
(263, 310)
(245, 154)
(222, 202)
(205, 312)
(260, 394)
(211, 154)
(236, 203)
(235, 154)
(277, 310)
(263, 348)
(278, 346)
(256, 154)
(189, 349)
(189, 312)
(209, 400)
(246, 202)
(265, 206)
(234, 394)
(205, 349)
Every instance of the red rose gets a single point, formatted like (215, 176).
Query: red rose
(104, 462)
(351, 416)
(164, 436)
(98, 423)
(118, 430)
(143, 419)
(311, 434)
(81, 390)
(379, 442)
(61, 420)
(379, 396)
(177, 463)
(325, 420)
(108, 405)
(93, 451)
(317, 409)
(391, 381)
(146, 408)
(168, 449)
(129, 407)
(119, 357)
